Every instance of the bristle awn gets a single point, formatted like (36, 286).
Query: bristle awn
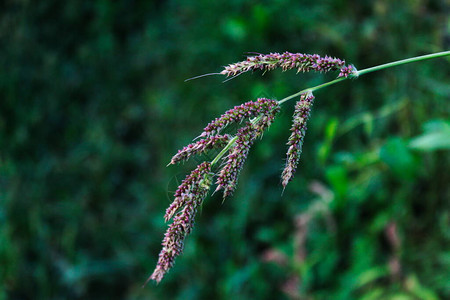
(231, 77)
(200, 76)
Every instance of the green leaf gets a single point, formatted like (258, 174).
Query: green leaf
(373, 294)
(422, 292)
(436, 137)
(330, 133)
(235, 28)
(399, 158)
(338, 178)
(371, 275)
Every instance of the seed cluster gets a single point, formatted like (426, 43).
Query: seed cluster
(195, 186)
(237, 114)
(188, 197)
(228, 176)
(285, 61)
(295, 142)
(211, 142)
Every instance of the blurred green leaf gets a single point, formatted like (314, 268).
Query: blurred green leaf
(330, 133)
(371, 275)
(368, 124)
(337, 176)
(401, 296)
(421, 292)
(373, 294)
(435, 137)
(235, 28)
(266, 234)
(396, 154)
(367, 118)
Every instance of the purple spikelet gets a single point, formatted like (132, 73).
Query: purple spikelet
(211, 142)
(228, 176)
(188, 198)
(237, 114)
(286, 61)
(298, 129)
(349, 71)
(186, 188)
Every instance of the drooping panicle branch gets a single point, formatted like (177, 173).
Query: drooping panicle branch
(208, 143)
(186, 188)
(188, 197)
(286, 61)
(295, 142)
(228, 176)
(237, 114)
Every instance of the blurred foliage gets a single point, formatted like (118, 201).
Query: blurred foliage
(93, 104)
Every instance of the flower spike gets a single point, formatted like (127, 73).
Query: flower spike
(237, 114)
(286, 61)
(188, 197)
(228, 176)
(295, 143)
(211, 142)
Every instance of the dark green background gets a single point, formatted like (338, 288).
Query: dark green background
(93, 104)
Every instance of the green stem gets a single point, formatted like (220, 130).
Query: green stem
(320, 86)
(368, 70)
(224, 150)
(230, 144)
(312, 89)
(403, 61)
